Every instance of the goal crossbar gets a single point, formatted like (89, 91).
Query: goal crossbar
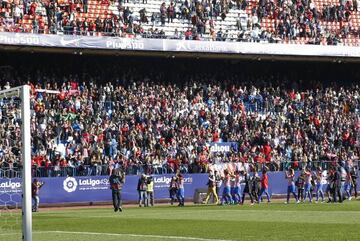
(12, 92)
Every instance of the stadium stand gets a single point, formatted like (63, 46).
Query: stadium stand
(326, 22)
(158, 116)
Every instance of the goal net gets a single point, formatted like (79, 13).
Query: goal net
(15, 164)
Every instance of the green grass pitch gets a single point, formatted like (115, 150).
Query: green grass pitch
(275, 221)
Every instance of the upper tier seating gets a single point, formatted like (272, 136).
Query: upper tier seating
(326, 22)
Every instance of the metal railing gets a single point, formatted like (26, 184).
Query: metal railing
(88, 170)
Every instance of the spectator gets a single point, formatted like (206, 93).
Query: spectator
(171, 12)
(141, 188)
(163, 13)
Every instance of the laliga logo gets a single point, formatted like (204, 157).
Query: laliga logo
(70, 184)
(10, 184)
(93, 183)
(162, 180)
(167, 180)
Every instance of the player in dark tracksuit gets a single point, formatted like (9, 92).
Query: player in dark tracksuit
(354, 176)
(300, 184)
(256, 187)
(248, 187)
(337, 195)
(116, 180)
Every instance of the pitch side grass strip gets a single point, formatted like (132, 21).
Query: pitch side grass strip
(119, 235)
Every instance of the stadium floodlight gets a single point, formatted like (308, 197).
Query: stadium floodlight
(24, 93)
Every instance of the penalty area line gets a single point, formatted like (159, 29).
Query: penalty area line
(130, 235)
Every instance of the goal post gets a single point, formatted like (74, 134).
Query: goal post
(23, 92)
(26, 159)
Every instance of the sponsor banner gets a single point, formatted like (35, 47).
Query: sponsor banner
(200, 46)
(69, 41)
(223, 147)
(140, 44)
(96, 188)
(10, 192)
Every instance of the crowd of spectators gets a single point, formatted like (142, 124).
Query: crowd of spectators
(291, 20)
(162, 118)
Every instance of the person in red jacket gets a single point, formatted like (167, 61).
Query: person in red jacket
(32, 9)
(264, 186)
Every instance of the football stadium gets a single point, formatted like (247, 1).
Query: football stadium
(179, 120)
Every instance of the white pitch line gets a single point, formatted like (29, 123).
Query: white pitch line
(9, 234)
(132, 235)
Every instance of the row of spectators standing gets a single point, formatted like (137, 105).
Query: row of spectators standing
(292, 20)
(157, 127)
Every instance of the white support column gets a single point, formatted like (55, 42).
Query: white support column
(26, 159)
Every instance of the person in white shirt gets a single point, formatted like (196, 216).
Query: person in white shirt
(17, 13)
(290, 175)
(308, 179)
(320, 177)
(243, 20)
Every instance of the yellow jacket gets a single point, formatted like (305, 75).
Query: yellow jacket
(150, 186)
